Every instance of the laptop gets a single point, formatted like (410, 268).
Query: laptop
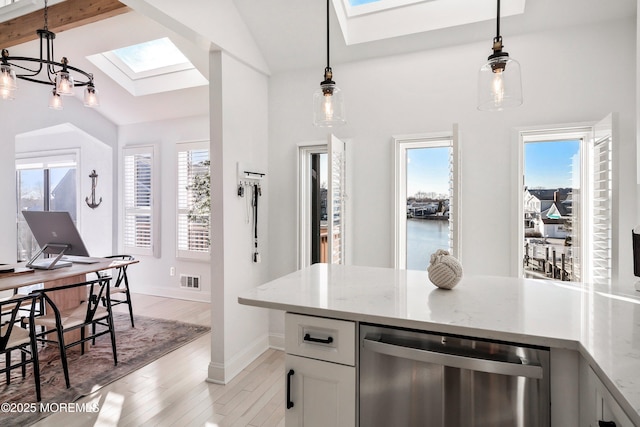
(56, 235)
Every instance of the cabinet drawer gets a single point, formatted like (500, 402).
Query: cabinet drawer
(320, 338)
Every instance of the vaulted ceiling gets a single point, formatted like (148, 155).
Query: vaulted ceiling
(289, 33)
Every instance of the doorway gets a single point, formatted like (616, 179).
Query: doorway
(321, 202)
(319, 233)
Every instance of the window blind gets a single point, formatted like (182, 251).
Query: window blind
(601, 211)
(193, 200)
(336, 199)
(138, 200)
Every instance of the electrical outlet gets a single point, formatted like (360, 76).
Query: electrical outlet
(172, 271)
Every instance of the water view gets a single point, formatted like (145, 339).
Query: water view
(424, 237)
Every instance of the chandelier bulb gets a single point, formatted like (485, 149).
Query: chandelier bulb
(91, 96)
(55, 101)
(8, 81)
(64, 83)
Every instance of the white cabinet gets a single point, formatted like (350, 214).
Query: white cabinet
(320, 372)
(598, 408)
(319, 393)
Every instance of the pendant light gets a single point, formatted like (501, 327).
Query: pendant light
(328, 106)
(499, 83)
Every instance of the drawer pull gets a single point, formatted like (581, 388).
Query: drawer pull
(308, 337)
(606, 424)
(289, 375)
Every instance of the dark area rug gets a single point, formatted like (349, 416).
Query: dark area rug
(150, 339)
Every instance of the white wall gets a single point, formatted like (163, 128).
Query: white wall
(151, 276)
(567, 78)
(239, 133)
(30, 112)
(95, 225)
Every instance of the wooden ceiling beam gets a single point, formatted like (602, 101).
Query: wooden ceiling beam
(62, 16)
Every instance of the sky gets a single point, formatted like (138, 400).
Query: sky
(428, 170)
(546, 165)
(549, 164)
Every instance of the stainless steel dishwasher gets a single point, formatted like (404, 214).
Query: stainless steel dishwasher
(412, 378)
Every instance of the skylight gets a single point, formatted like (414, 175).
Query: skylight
(150, 67)
(151, 55)
(361, 7)
(359, 2)
(368, 20)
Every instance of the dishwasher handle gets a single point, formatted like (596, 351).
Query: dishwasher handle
(453, 360)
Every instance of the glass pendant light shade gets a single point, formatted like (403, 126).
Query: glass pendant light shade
(91, 97)
(64, 83)
(499, 84)
(8, 80)
(328, 106)
(55, 101)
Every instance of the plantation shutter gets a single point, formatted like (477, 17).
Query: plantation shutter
(454, 182)
(601, 194)
(138, 200)
(193, 223)
(335, 200)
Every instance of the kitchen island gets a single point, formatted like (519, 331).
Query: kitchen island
(602, 328)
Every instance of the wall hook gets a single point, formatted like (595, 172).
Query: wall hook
(94, 182)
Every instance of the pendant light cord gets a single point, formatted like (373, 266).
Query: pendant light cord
(328, 66)
(498, 23)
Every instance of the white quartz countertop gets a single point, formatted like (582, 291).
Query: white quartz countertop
(603, 327)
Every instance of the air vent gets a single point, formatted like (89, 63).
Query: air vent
(189, 282)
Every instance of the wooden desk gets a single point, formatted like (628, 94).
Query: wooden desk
(51, 278)
(76, 273)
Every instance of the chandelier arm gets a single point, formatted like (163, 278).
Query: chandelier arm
(51, 64)
(50, 57)
(22, 67)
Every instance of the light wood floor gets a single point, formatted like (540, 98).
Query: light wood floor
(172, 391)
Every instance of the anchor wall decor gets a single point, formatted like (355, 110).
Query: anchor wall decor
(94, 182)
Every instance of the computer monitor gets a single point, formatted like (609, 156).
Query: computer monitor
(56, 234)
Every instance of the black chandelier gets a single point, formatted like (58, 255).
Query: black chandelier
(62, 76)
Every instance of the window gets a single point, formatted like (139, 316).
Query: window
(194, 202)
(426, 195)
(566, 204)
(44, 184)
(139, 228)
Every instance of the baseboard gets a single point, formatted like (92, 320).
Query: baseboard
(173, 293)
(276, 341)
(219, 373)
